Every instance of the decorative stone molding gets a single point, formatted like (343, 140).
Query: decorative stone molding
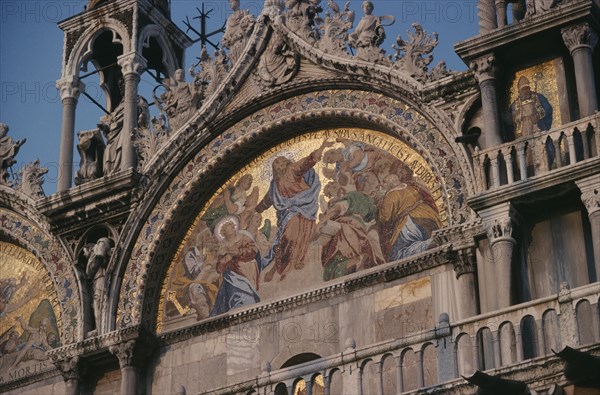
(484, 68)
(69, 367)
(590, 193)
(70, 88)
(132, 63)
(579, 36)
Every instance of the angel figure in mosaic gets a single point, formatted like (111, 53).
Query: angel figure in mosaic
(238, 262)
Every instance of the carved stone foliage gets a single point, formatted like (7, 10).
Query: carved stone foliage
(483, 68)
(125, 353)
(278, 64)
(148, 140)
(464, 261)
(213, 71)
(30, 180)
(69, 367)
(335, 28)
(238, 29)
(394, 116)
(9, 148)
(302, 18)
(415, 55)
(579, 36)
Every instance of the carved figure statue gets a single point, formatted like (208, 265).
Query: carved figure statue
(91, 151)
(237, 30)
(31, 179)
(278, 64)
(369, 34)
(539, 6)
(179, 101)
(302, 16)
(98, 255)
(9, 148)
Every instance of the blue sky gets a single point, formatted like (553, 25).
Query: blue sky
(31, 48)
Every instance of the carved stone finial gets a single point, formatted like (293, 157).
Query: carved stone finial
(579, 36)
(125, 353)
(484, 68)
(31, 178)
(415, 55)
(335, 29)
(9, 148)
(69, 367)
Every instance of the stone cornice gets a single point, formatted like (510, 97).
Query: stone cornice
(558, 17)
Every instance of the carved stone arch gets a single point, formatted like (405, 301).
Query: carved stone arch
(83, 48)
(311, 349)
(155, 237)
(158, 32)
(32, 233)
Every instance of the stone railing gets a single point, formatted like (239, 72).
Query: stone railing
(533, 156)
(514, 342)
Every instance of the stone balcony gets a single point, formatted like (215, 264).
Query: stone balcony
(514, 343)
(536, 162)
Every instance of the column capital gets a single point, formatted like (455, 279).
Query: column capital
(464, 261)
(125, 352)
(69, 367)
(579, 36)
(70, 87)
(498, 222)
(132, 63)
(484, 68)
(590, 193)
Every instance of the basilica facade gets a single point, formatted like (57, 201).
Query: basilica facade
(304, 212)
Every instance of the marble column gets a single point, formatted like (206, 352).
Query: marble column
(70, 369)
(590, 196)
(485, 75)
(70, 88)
(501, 13)
(581, 40)
(498, 222)
(465, 264)
(128, 355)
(569, 334)
(132, 66)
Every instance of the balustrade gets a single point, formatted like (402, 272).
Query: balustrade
(488, 341)
(536, 155)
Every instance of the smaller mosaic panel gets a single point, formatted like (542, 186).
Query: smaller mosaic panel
(29, 314)
(313, 209)
(534, 104)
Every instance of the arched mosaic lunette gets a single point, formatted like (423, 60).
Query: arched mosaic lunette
(55, 258)
(373, 107)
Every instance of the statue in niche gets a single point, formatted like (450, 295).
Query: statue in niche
(278, 64)
(98, 254)
(91, 151)
(237, 30)
(179, 100)
(369, 34)
(9, 148)
(531, 111)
